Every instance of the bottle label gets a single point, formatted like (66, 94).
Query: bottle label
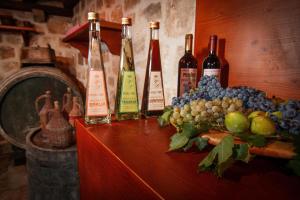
(96, 96)
(156, 93)
(211, 72)
(188, 80)
(128, 98)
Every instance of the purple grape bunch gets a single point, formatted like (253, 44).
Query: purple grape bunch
(209, 88)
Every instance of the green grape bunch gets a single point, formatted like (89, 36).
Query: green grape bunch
(209, 111)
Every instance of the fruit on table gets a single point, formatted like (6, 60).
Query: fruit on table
(236, 122)
(262, 125)
(255, 114)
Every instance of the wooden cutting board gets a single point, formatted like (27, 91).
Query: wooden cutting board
(275, 148)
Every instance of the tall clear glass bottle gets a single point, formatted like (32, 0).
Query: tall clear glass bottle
(127, 106)
(153, 102)
(97, 104)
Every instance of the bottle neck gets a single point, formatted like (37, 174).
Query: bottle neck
(94, 30)
(213, 46)
(188, 45)
(154, 34)
(126, 32)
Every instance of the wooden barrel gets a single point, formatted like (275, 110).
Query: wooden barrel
(17, 96)
(52, 174)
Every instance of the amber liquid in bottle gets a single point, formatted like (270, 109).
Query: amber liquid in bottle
(187, 68)
(153, 102)
(127, 105)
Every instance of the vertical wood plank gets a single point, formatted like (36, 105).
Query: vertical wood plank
(261, 40)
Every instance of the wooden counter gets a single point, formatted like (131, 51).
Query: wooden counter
(128, 160)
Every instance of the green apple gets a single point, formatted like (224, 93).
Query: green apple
(255, 114)
(236, 122)
(262, 125)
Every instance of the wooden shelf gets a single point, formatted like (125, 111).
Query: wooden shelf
(129, 160)
(78, 37)
(25, 31)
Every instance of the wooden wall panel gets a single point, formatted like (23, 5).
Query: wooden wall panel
(260, 41)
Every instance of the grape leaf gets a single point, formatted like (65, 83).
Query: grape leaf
(241, 152)
(189, 130)
(178, 141)
(200, 142)
(219, 158)
(164, 119)
(224, 155)
(208, 162)
(254, 140)
(295, 166)
(225, 149)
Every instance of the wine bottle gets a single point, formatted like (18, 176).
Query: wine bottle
(187, 68)
(211, 64)
(127, 106)
(153, 102)
(97, 104)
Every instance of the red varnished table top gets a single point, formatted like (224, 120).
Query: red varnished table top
(141, 147)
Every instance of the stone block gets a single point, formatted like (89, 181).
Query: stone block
(152, 12)
(13, 39)
(39, 15)
(177, 22)
(59, 25)
(109, 3)
(116, 14)
(99, 4)
(129, 4)
(80, 59)
(7, 52)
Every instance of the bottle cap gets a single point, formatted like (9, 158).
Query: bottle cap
(154, 25)
(188, 36)
(92, 16)
(126, 21)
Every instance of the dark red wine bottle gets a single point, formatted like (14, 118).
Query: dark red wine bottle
(211, 64)
(187, 68)
(153, 102)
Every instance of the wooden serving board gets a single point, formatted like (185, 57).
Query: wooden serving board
(275, 148)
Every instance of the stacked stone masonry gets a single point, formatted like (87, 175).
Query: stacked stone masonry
(177, 18)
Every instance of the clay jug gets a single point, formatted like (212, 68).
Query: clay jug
(43, 112)
(60, 132)
(76, 111)
(67, 103)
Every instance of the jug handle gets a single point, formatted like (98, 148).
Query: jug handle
(37, 102)
(80, 108)
(64, 102)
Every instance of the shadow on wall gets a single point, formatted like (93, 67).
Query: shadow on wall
(224, 62)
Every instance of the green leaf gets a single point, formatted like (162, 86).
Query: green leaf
(163, 120)
(224, 166)
(200, 142)
(254, 140)
(189, 130)
(295, 166)
(241, 152)
(208, 162)
(178, 141)
(225, 149)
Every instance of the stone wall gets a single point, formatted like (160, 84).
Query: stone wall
(50, 32)
(177, 17)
